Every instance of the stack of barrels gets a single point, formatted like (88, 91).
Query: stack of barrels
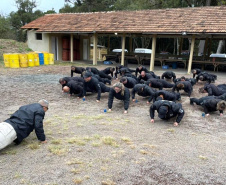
(17, 60)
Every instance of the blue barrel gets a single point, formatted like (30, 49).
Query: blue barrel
(174, 65)
(41, 58)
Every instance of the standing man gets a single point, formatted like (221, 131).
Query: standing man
(22, 123)
(94, 85)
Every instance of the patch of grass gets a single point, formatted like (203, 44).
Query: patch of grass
(96, 136)
(170, 130)
(74, 161)
(203, 157)
(98, 117)
(57, 150)
(28, 49)
(108, 182)
(79, 116)
(109, 141)
(143, 152)
(77, 141)
(34, 146)
(80, 125)
(78, 180)
(87, 138)
(56, 142)
(95, 144)
(126, 139)
(17, 175)
(9, 152)
(76, 171)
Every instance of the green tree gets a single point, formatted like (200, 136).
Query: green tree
(23, 15)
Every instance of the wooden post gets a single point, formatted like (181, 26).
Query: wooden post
(123, 49)
(205, 48)
(130, 45)
(191, 53)
(95, 49)
(108, 45)
(181, 45)
(72, 49)
(152, 61)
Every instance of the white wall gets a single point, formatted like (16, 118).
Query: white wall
(38, 45)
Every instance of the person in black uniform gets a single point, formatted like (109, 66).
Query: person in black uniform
(169, 75)
(141, 68)
(211, 89)
(74, 88)
(103, 80)
(126, 73)
(159, 83)
(109, 70)
(65, 80)
(94, 85)
(166, 110)
(93, 70)
(120, 92)
(144, 77)
(185, 85)
(128, 82)
(125, 69)
(204, 76)
(201, 100)
(192, 80)
(78, 70)
(196, 72)
(143, 90)
(167, 95)
(21, 123)
(211, 105)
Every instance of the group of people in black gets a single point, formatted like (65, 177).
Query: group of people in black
(146, 83)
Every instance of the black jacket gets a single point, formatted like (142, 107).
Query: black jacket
(206, 77)
(147, 91)
(26, 119)
(94, 86)
(210, 105)
(147, 77)
(198, 71)
(125, 98)
(187, 87)
(212, 90)
(131, 82)
(167, 95)
(76, 88)
(77, 79)
(108, 71)
(78, 70)
(169, 75)
(174, 109)
(159, 83)
(191, 80)
(140, 70)
(93, 70)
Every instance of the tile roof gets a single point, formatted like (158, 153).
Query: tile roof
(205, 20)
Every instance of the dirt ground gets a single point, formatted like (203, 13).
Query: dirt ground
(87, 146)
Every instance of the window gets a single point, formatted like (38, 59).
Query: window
(38, 36)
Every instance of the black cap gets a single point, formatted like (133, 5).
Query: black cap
(162, 112)
(87, 74)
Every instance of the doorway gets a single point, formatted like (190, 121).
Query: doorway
(54, 47)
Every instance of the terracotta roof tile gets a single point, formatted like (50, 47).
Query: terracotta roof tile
(193, 20)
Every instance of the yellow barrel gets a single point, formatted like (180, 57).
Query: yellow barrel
(51, 58)
(31, 60)
(23, 60)
(46, 58)
(36, 59)
(6, 59)
(14, 60)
